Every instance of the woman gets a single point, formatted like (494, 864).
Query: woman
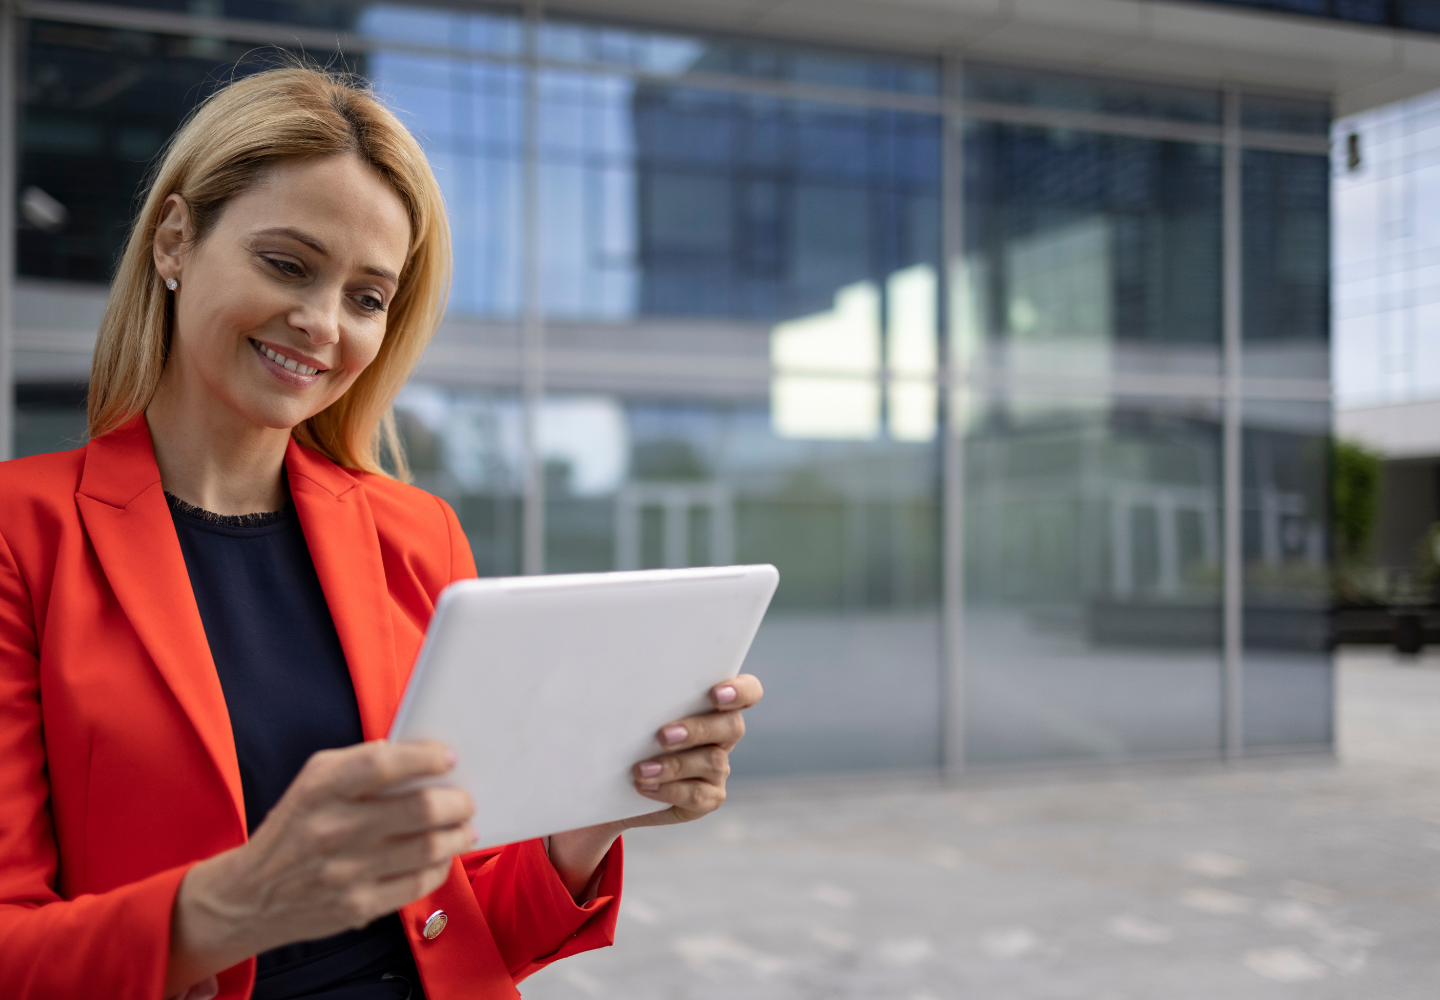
(208, 611)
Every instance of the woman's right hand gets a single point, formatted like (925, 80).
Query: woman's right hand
(334, 854)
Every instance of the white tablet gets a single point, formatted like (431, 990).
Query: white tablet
(551, 688)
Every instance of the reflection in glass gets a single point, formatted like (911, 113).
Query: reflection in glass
(1096, 95)
(912, 353)
(1088, 253)
(825, 367)
(464, 446)
(1092, 578)
(677, 201)
(339, 15)
(1266, 113)
(587, 195)
(849, 651)
(98, 105)
(1289, 684)
(669, 52)
(1287, 265)
(48, 417)
(468, 116)
(497, 29)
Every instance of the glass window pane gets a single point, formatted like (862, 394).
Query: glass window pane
(1072, 92)
(496, 29)
(1363, 11)
(468, 116)
(677, 52)
(1285, 114)
(464, 445)
(673, 201)
(49, 416)
(1088, 254)
(336, 14)
(1092, 578)
(487, 27)
(1420, 15)
(1289, 684)
(1286, 265)
(98, 105)
(849, 651)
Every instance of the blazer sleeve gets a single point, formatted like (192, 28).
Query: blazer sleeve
(117, 941)
(531, 914)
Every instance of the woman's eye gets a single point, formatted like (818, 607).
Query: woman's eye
(369, 303)
(286, 267)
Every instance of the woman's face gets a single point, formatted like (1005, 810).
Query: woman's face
(282, 305)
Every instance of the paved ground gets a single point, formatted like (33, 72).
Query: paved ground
(1317, 880)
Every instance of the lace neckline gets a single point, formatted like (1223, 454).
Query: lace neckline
(260, 520)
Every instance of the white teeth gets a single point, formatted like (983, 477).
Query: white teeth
(289, 363)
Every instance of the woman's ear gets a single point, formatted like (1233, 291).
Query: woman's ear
(172, 233)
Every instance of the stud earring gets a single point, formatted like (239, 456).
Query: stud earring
(171, 284)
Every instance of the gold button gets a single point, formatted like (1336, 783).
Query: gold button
(434, 924)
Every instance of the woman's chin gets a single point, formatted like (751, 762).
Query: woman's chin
(268, 416)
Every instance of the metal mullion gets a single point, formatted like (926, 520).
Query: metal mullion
(952, 458)
(1233, 607)
(532, 530)
(9, 169)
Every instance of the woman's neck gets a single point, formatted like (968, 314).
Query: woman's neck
(211, 457)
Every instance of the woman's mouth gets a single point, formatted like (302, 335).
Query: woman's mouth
(287, 369)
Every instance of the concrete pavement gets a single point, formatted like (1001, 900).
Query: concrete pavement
(1313, 878)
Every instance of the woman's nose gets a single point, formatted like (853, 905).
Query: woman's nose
(318, 317)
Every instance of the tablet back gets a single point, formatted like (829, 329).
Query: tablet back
(551, 688)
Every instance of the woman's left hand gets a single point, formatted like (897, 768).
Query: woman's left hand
(690, 776)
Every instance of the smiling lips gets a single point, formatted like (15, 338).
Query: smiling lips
(289, 364)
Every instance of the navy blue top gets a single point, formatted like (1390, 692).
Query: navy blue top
(289, 694)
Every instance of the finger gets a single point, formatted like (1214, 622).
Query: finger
(710, 763)
(414, 812)
(347, 828)
(367, 768)
(724, 728)
(424, 850)
(734, 695)
(693, 797)
(396, 891)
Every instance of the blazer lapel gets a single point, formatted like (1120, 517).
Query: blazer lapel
(345, 548)
(129, 526)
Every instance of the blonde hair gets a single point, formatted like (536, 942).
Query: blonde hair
(291, 113)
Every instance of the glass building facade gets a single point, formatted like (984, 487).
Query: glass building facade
(1019, 377)
(1415, 15)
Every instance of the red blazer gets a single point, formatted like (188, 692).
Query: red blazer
(117, 763)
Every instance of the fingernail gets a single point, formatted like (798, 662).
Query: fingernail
(450, 758)
(473, 835)
(725, 695)
(674, 734)
(650, 768)
(649, 786)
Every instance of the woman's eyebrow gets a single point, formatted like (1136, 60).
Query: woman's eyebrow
(300, 236)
